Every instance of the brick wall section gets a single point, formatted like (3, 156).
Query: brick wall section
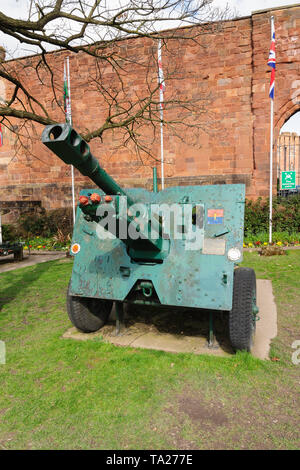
(287, 85)
(229, 66)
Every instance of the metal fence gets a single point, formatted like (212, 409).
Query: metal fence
(288, 159)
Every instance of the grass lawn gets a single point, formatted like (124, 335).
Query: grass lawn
(66, 394)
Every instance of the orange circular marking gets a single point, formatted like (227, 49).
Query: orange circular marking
(108, 198)
(75, 248)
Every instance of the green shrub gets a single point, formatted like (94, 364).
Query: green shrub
(286, 215)
(47, 224)
(9, 233)
(33, 224)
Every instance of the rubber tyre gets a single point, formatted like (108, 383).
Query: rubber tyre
(88, 314)
(241, 320)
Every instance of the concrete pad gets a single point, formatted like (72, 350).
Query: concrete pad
(179, 344)
(186, 331)
(266, 328)
(7, 263)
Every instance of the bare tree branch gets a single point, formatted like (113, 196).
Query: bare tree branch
(97, 29)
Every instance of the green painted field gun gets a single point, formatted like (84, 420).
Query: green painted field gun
(174, 248)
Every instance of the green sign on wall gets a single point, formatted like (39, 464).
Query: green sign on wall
(288, 180)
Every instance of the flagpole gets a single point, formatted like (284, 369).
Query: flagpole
(271, 147)
(271, 172)
(70, 122)
(161, 99)
(162, 149)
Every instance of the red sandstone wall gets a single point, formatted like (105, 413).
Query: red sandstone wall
(229, 65)
(287, 85)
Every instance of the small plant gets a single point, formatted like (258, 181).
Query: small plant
(61, 237)
(271, 251)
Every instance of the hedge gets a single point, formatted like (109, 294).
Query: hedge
(47, 224)
(286, 218)
(286, 215)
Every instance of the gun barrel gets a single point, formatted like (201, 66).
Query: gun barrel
(67, 144)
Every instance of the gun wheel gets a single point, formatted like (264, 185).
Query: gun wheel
(88, 314)
(242, 320)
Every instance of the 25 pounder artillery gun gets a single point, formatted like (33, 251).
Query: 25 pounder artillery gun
(175, 248)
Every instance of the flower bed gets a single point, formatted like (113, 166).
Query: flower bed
(278, 238)
(45, 244)
(250, 241)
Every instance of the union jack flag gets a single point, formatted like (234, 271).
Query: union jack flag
(272, 60)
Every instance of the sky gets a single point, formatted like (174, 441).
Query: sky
(19, 9)
(292, 125)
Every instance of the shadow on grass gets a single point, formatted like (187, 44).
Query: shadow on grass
(19, 280)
